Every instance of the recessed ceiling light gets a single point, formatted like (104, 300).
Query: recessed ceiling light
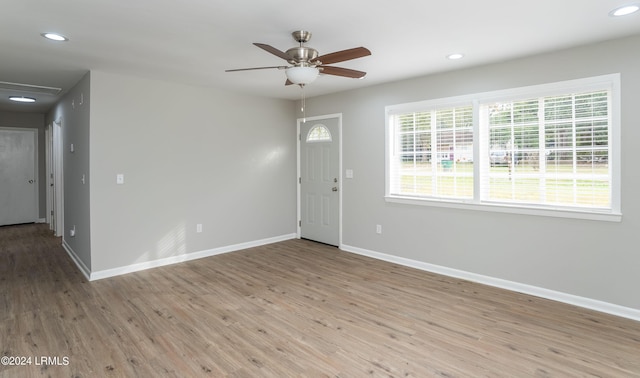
(455, 56)
(22, 99)
(55, 37)
(624, 10)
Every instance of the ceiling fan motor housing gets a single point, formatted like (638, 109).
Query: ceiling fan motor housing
(302, 55)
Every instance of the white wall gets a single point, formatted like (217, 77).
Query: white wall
(590, 259)
(189, 155)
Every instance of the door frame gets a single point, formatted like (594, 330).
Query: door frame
(48, 153)
(299, 122)
(48, 145)
(57, 177)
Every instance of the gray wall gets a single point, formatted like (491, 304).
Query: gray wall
(73, 111)
(32, 121)
(189, 155)
(591, 259)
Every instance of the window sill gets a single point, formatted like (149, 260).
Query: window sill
(503, 208)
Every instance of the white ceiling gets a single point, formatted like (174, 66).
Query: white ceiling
(194, 41)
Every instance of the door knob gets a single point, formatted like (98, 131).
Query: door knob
(30, 181)
(334, 189)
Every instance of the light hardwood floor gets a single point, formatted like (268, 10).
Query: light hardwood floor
(294, 308)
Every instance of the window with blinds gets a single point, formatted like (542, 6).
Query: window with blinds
(434, 153)
(549, 150)
(552, 147)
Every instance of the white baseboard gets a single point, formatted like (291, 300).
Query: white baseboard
(592, 304)
(186, 257)
(83, 268)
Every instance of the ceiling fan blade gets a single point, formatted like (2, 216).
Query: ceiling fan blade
(288, 82)
(273, 51)
(256, 68)
(339, 71)
(341, 56)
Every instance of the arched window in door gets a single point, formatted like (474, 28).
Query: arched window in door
(319, 133)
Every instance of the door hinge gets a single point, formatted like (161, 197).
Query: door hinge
(299, 180)
(299, 223)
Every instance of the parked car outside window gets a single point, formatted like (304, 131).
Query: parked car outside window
(498, 157)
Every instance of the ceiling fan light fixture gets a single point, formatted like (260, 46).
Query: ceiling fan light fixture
(301, 74)
(455, 56)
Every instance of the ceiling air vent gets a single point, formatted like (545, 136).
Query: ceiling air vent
(28, 88)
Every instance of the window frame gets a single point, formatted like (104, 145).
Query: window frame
(322, 127)
(609, 82)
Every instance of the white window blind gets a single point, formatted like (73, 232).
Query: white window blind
(552, 147)
(549, 151)
(433, 153)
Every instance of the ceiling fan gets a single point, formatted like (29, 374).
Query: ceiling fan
(305, 64)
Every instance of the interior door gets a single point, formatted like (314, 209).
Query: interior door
(18, 187)
(320, 180)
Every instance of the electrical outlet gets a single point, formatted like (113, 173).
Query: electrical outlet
(378, 229)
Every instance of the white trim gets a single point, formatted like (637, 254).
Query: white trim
(592, 304)
(506, 208)
(539, 90)
(299, 171)
(58, 177)
(616, 143)
(81, 266)
(48, 137)
(182, 258)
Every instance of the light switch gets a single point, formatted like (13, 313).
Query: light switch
(349, 173)
(119, 179)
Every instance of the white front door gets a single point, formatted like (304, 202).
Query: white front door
(18, 187)
(320, 180)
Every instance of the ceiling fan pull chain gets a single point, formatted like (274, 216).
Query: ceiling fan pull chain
(303, 109)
